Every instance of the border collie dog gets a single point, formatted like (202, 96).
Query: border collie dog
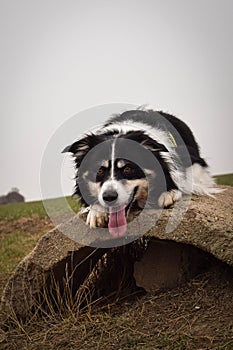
(136, 159)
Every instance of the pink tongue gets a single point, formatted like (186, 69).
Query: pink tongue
(117, 224)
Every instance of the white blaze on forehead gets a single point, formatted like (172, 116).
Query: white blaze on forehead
(113, 158)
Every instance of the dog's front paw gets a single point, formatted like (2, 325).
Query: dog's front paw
(167, 199)
(96, 216)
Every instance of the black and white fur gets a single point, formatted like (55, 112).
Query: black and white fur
(120, 182)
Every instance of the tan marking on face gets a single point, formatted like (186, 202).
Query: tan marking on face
(94, 188)
(142, 192)
(150, 172)
(136, 182)
(105, 163)
(85, 175)
(141, 196)
(120, 164)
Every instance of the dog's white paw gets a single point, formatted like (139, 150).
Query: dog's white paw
(96, 216)
(169, 198)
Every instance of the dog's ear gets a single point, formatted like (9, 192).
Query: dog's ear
(153, 146)
(76, 147)
(83, 146)
(146, 141)
(67, 149)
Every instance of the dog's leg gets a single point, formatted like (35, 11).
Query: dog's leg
(97, 217)
(167, 199)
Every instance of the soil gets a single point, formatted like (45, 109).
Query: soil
(31, 225)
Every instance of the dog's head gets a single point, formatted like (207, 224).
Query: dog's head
(113, 172)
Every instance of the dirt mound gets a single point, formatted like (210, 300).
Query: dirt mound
(32, 225)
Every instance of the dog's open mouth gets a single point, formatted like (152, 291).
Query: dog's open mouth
(117, 224)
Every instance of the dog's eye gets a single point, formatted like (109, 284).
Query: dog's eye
(128, 170)
(100, 172)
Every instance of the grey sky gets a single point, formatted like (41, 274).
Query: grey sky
(61, 57)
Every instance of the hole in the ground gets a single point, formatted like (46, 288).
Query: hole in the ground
(167, 264)
(139, 267)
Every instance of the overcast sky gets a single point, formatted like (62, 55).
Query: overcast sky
(59, 58)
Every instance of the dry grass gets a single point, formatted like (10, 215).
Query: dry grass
(195, 316)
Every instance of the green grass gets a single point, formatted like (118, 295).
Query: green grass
(226, 179)
(13, 248)
(14, 211)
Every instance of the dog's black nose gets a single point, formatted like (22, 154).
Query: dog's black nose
(110, 196)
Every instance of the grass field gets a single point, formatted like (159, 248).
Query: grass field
(15, 211)
(226, 179)
(115, 328)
